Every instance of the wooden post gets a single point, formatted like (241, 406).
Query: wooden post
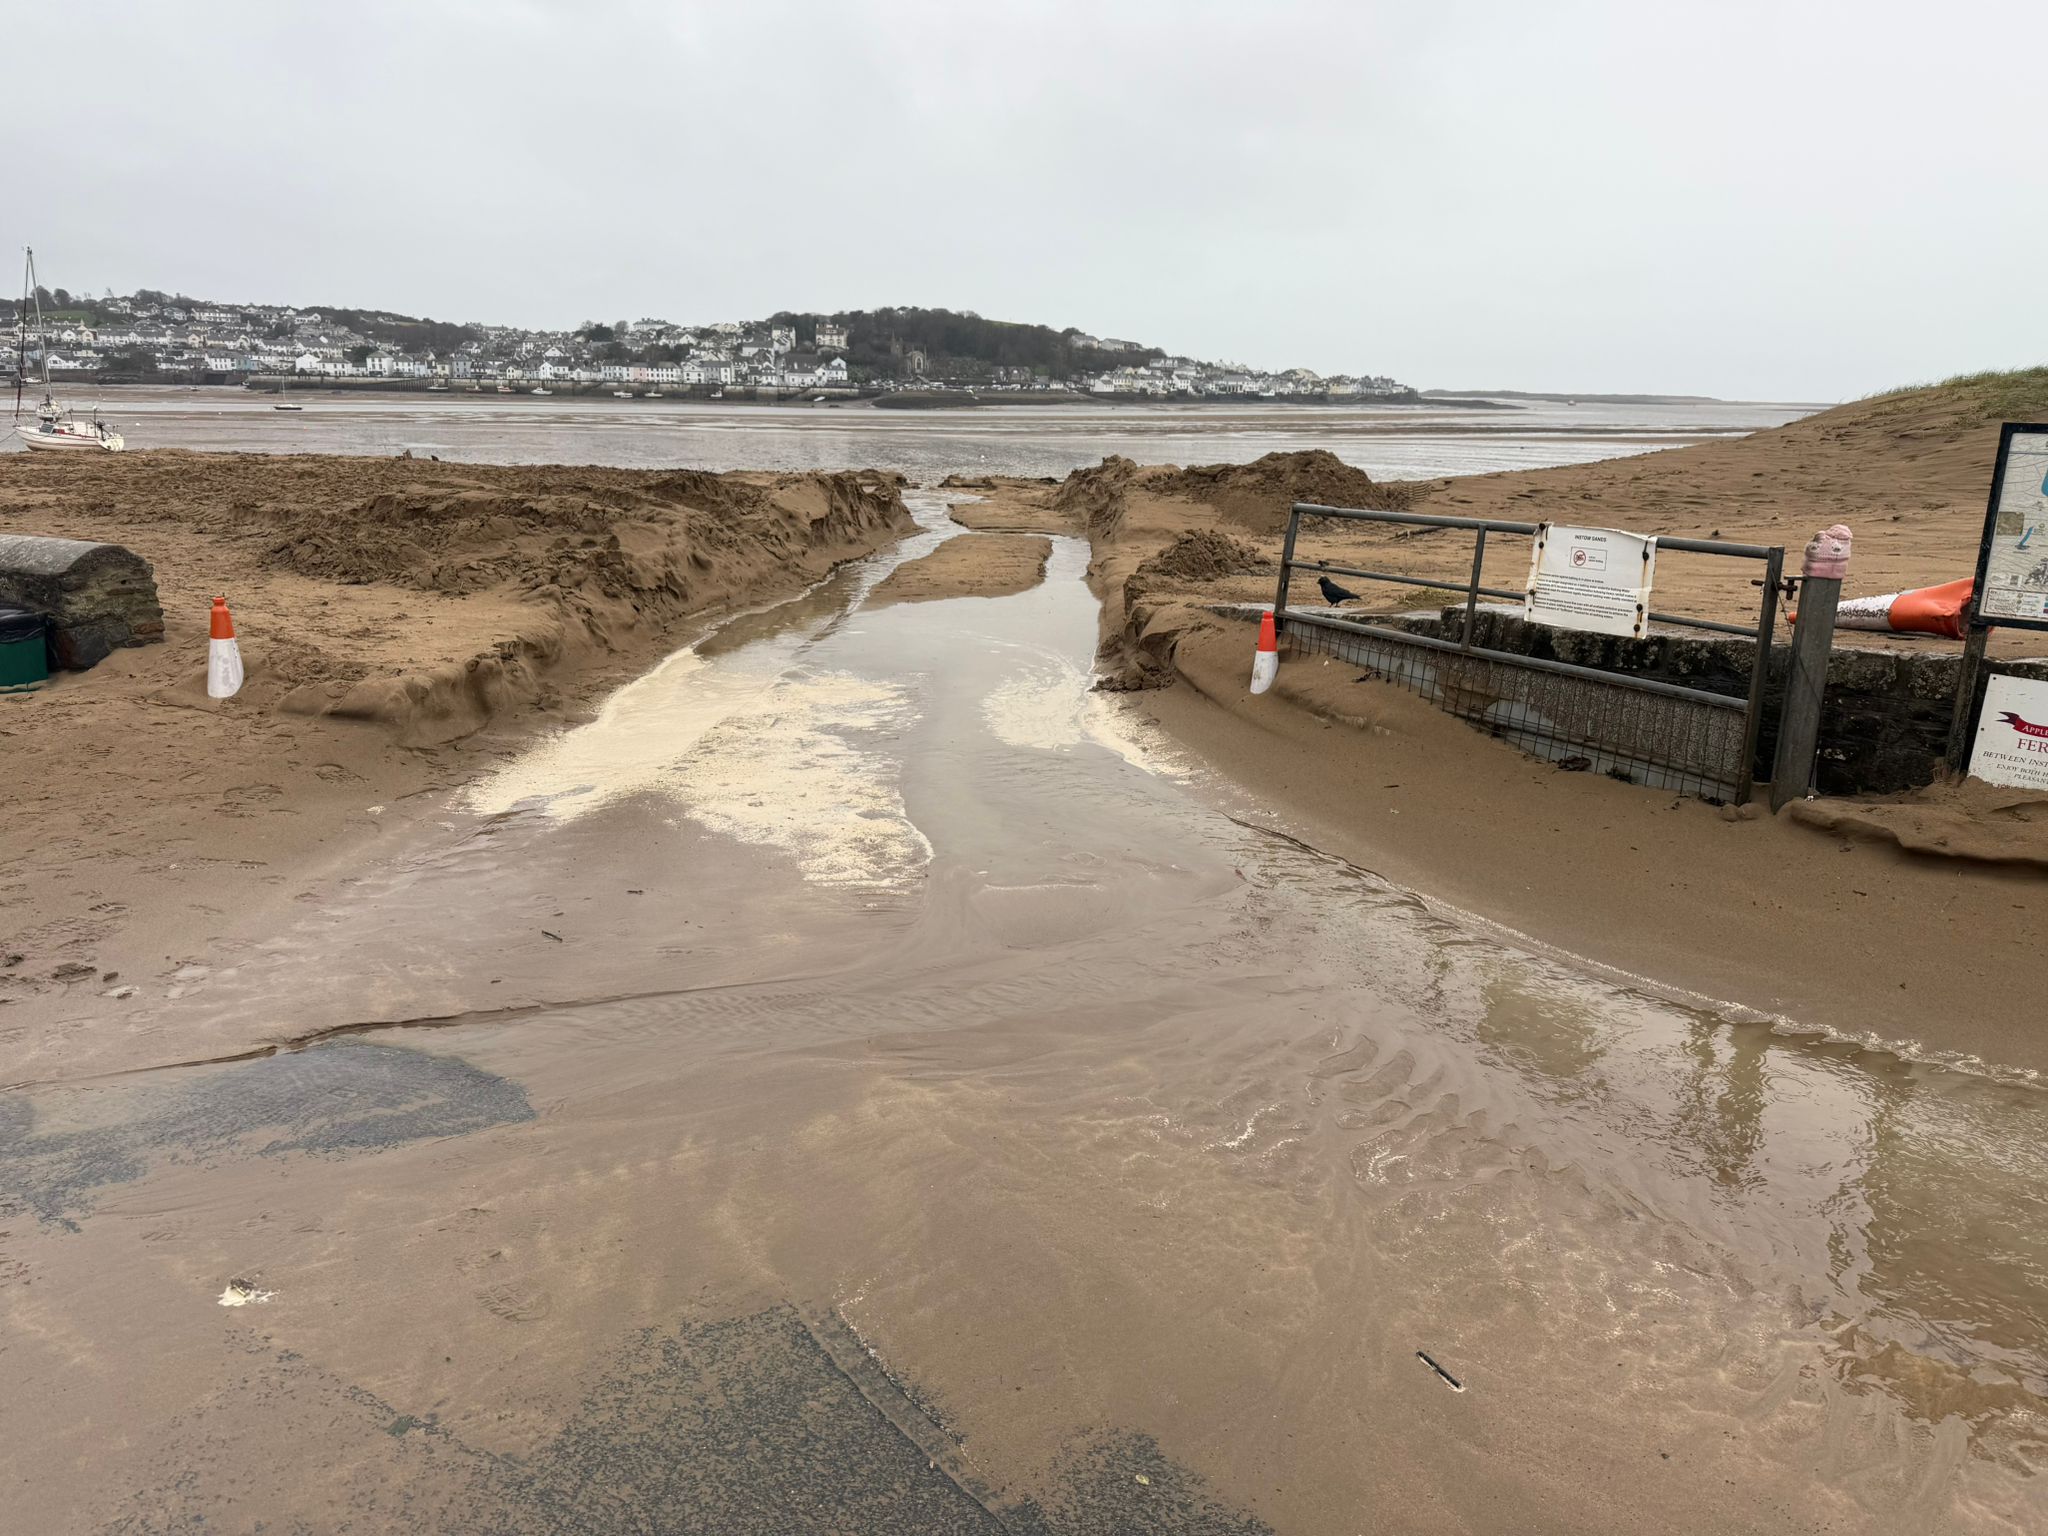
(1962, 726)
(1813, 641)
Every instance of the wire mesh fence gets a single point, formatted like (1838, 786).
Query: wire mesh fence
(1656, 739)
(1663, 733)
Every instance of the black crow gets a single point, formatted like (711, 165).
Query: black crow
(1332, 593)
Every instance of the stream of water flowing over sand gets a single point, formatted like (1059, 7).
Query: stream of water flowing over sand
(859, 1082)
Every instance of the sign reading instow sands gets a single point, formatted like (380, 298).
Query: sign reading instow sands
(1594, 579)
(2012, 734)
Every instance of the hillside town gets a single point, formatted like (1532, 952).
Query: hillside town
(154, 337)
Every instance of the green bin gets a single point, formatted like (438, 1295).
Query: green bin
(24, 664)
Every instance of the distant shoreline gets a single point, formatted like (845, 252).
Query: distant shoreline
(899, 400)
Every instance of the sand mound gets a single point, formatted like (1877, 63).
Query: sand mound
(1096, 496)
(654, 544)
(1970, 820)
(552, 561)
(1257, 496)
(1203, 555)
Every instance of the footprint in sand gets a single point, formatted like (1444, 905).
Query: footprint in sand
(516, 1303)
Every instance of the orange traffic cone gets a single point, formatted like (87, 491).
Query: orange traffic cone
(223, 655)
(1922, 611)
(1266, 660)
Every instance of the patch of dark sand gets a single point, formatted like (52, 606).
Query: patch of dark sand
(340, 1098)
(762, 1425)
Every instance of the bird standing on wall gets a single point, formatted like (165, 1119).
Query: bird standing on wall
(1334, 594)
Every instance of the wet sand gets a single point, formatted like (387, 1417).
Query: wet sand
(987, 565)
(1794, 920)
(874, 1083)
(403, 624)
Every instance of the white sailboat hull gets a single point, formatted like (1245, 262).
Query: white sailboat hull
(71, 441)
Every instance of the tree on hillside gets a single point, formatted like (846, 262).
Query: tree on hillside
(960, 343)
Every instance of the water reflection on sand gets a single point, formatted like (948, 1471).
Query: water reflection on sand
(1109, 1144)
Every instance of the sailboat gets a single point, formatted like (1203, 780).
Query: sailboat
(54, 425)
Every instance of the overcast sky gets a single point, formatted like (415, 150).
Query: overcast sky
(1774, 201)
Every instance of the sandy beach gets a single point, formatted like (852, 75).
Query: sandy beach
(675, 996)
(401, 623)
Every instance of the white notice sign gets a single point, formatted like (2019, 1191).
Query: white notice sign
(1591, 578)
(2012, 734)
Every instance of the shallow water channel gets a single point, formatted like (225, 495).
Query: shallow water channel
(861, 1082)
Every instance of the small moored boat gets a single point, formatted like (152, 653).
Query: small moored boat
(54, 426)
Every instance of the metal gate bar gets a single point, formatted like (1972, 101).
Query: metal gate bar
(1689, 738)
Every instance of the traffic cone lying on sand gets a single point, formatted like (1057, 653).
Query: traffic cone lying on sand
(1922, 611)
(223, 655)
(1266, 661)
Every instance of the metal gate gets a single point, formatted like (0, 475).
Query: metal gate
(1646, 729)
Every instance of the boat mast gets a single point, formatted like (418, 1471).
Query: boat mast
(42, 331)
(21, 331)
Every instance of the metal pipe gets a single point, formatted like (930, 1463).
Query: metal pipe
(1472, 596)
(1536, 663)
(1759, 676)
(1507, 593)
(1496, 525)
(1715, 626)
(1406, 581)
(1716, 547)
(1286, 566)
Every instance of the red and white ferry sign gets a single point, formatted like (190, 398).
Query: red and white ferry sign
(2012, 734)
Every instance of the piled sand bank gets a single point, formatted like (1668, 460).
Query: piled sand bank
(388, 610)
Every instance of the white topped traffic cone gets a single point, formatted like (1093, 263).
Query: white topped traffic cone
(1266, 661)
(223, 655)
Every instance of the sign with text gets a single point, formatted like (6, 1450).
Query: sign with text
(2012, 567)
(2012, 734)
(1595, 579)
